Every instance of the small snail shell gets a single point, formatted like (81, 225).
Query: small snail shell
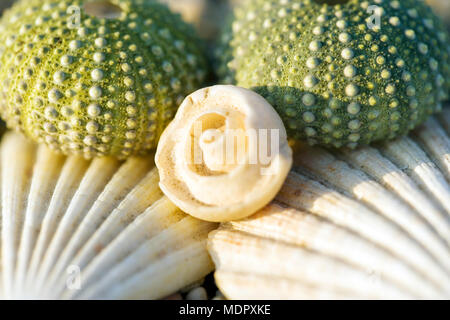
(225, 155)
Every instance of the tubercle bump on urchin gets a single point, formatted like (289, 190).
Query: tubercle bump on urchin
(106, 87)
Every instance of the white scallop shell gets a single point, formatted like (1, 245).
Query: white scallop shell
(75, 229)
(371, 223)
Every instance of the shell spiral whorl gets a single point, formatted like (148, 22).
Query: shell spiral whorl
(229, 141)
(93, 84)
(335, 81)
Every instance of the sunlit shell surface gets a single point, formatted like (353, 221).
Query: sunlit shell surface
(369, 223)
(75, 229)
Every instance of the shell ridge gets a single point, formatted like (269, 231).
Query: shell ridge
(420, 168)
(304, 229)
(303, 193)
(147, 191)
(439, 150)
(121, 183)
(92, 184)
(399, 183)
(43, 182)
(155, 216)
(66, 186)
(16, 179)
(368, 191)
(342, 277)
(170, 240)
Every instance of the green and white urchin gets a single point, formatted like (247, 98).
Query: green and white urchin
(96, 78)
(335, 76)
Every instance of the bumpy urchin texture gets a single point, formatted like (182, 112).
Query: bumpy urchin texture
(96, 79)
(336, 79)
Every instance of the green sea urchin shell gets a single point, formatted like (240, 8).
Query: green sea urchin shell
(86, 82)
(334, 80)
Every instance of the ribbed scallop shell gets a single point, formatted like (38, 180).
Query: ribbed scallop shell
(369, 223)
(101, 229)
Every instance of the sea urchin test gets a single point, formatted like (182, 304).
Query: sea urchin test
(340, 73)
(225, 155)
(95, 77)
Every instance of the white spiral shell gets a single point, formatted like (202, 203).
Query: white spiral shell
(225, 155)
